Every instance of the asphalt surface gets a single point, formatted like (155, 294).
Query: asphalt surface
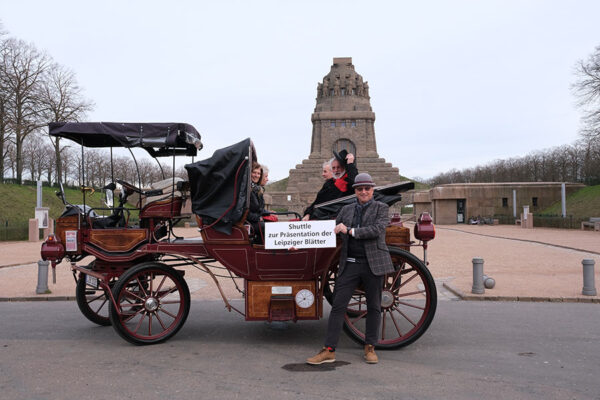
(472, 350)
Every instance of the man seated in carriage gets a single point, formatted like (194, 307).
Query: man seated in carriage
(343, 173)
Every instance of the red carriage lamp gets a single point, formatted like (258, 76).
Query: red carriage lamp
(424, 231)
(52, 249)
(424, 228)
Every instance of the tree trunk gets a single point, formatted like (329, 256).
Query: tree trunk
(19, 158)
(58, 158)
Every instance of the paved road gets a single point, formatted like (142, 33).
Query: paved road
(473, 350)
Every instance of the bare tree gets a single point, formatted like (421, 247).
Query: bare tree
(35, 150)
(62, 100)
(587, 89)
(23, 67)
(4, 103)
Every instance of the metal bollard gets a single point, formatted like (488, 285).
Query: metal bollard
(589, 287)
(478, 276)
(42, 284)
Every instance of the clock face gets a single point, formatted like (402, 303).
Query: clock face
(305, 298)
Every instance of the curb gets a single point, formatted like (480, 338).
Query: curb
(40, 298)
(532, 299)
(18, 264)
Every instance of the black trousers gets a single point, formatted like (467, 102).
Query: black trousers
(345, 284)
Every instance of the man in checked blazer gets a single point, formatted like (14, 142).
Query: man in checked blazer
(364, 259)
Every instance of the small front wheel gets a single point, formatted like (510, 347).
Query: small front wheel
(92, 300)
(153, 302)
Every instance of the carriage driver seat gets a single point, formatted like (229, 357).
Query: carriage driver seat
(167, 187)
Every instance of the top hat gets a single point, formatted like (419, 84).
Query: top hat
(363, 179)
(341, 157)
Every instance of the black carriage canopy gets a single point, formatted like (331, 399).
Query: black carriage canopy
(388, 194)
(158, 139)
(219, 185)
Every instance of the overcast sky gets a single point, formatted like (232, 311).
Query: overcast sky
(453, 84)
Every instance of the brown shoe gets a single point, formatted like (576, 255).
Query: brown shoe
(324, 356)
(370, 356)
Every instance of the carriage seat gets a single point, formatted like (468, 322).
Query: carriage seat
(167, 188)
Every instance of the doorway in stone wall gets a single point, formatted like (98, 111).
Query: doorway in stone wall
(344, 144)
(460, 210)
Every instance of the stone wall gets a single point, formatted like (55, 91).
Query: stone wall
(489, 199)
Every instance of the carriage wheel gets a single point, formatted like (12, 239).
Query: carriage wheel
(92, 301)
(154, 301)
(408, 304)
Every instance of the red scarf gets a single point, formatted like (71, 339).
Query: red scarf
(341, 183)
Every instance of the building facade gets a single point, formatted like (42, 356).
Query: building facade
(458, 202)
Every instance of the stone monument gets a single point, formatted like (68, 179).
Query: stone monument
(342, 119)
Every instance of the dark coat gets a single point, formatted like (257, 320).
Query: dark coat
(327, 192)
(257, 205)
(372, 232)
(331, 192)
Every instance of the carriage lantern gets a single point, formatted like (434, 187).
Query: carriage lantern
(424, 229)
(52, 249)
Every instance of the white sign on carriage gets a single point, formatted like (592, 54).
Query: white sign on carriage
(299, 234)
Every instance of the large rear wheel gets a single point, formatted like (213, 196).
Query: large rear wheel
(408, 304)
(153, 302)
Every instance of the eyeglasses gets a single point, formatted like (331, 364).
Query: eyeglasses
(363, 188)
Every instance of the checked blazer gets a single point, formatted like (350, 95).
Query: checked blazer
(372, 230)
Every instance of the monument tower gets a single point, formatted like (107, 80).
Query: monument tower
(343, 119)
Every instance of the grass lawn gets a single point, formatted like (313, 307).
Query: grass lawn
(17, 202)
(582, 204)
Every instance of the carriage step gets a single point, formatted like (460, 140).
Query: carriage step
(282, 308)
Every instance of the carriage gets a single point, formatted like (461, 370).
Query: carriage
(136, 281)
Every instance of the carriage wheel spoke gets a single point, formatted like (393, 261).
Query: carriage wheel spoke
(170, 302)
(160, 322)
(411, 293)
(357, 303)
(398, 273)
(130, 317)
(101, 305)
(141, 286)
(95, 298)
(161, 283)
(168, 313)
(411, 305)
(151, 278)
(408, 280)
(362, 315)
(395, 324)
(129, 293)
(132, 305)
(405, 316)
(149, 324)
(137, 327)
(168, 292)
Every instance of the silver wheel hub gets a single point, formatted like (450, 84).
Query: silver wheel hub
(151, 304)
(387, 299)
